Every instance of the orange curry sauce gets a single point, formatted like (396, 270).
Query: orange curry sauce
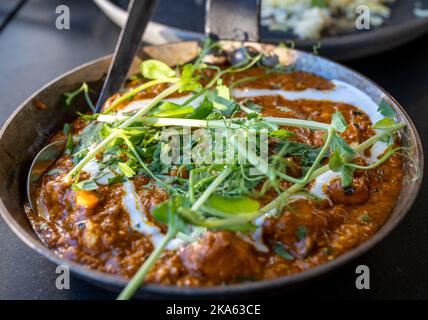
(96, 231)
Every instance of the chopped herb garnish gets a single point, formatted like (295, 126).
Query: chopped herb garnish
(208, 195)
(253, 106)
(117, 179)
(338, 122)
(384, 123)
(67, 129)
(327, 251)
(281, 134)
(55, 172)
(282, 252)
(365, 218)
(71, 96)
(87, 185)
(126, 169)
(386, 110)
(301, 233)
(69, 146)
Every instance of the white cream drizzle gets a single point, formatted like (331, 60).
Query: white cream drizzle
(257, 235)
(132, 204)
(93, 169)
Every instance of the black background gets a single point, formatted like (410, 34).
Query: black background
(33, 52)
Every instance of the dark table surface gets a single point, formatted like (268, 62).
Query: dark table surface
(33, 52)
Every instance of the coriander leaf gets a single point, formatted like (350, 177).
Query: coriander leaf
(225, 106)
(338, 122)
(160, 212)
(167, 106)
(384, 123)
(347, 176)
(87, 185)
(201, 112)
(126, 169)
(338, 164)
(187, 72)
(253, 115)
(88, 117)
(307, 153)
(244, 227)
(386, 110)
(89, 136)
(106, 130)
(117, 179)
(179, 112)
(336, 161)
(281, 133)
(282, 252)
(67, 129)
(69, 146)
(224, 93)
(339, 143)
(301, 233)
(233, 205)
(70, 96)
(188, 81)
(156, 70)
(166, 213)
(190, 86)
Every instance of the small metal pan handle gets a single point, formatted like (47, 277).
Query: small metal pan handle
(233, 19)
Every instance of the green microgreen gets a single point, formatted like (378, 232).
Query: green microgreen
(69, 97)
(87, 185)
(385, 123)
(156, 70)
(301, 233)
(126, 169)
(280, 250)
(338, 122)
(281, 134)
(116, 179)
(386, 110)
(365, 218)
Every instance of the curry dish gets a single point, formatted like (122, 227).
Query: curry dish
(108, 205)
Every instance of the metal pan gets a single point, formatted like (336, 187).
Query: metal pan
(29, 128)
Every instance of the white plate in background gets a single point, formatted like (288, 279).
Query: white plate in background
(156, 33)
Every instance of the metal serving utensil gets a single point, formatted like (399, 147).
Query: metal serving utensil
(140, 12)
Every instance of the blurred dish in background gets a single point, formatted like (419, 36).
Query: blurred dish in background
(311, 19)
(393, 23)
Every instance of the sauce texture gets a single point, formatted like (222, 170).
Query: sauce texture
(102, 229)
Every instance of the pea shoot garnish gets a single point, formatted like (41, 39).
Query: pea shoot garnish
(209, 195)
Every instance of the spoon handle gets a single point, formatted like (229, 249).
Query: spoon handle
(139, 14)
